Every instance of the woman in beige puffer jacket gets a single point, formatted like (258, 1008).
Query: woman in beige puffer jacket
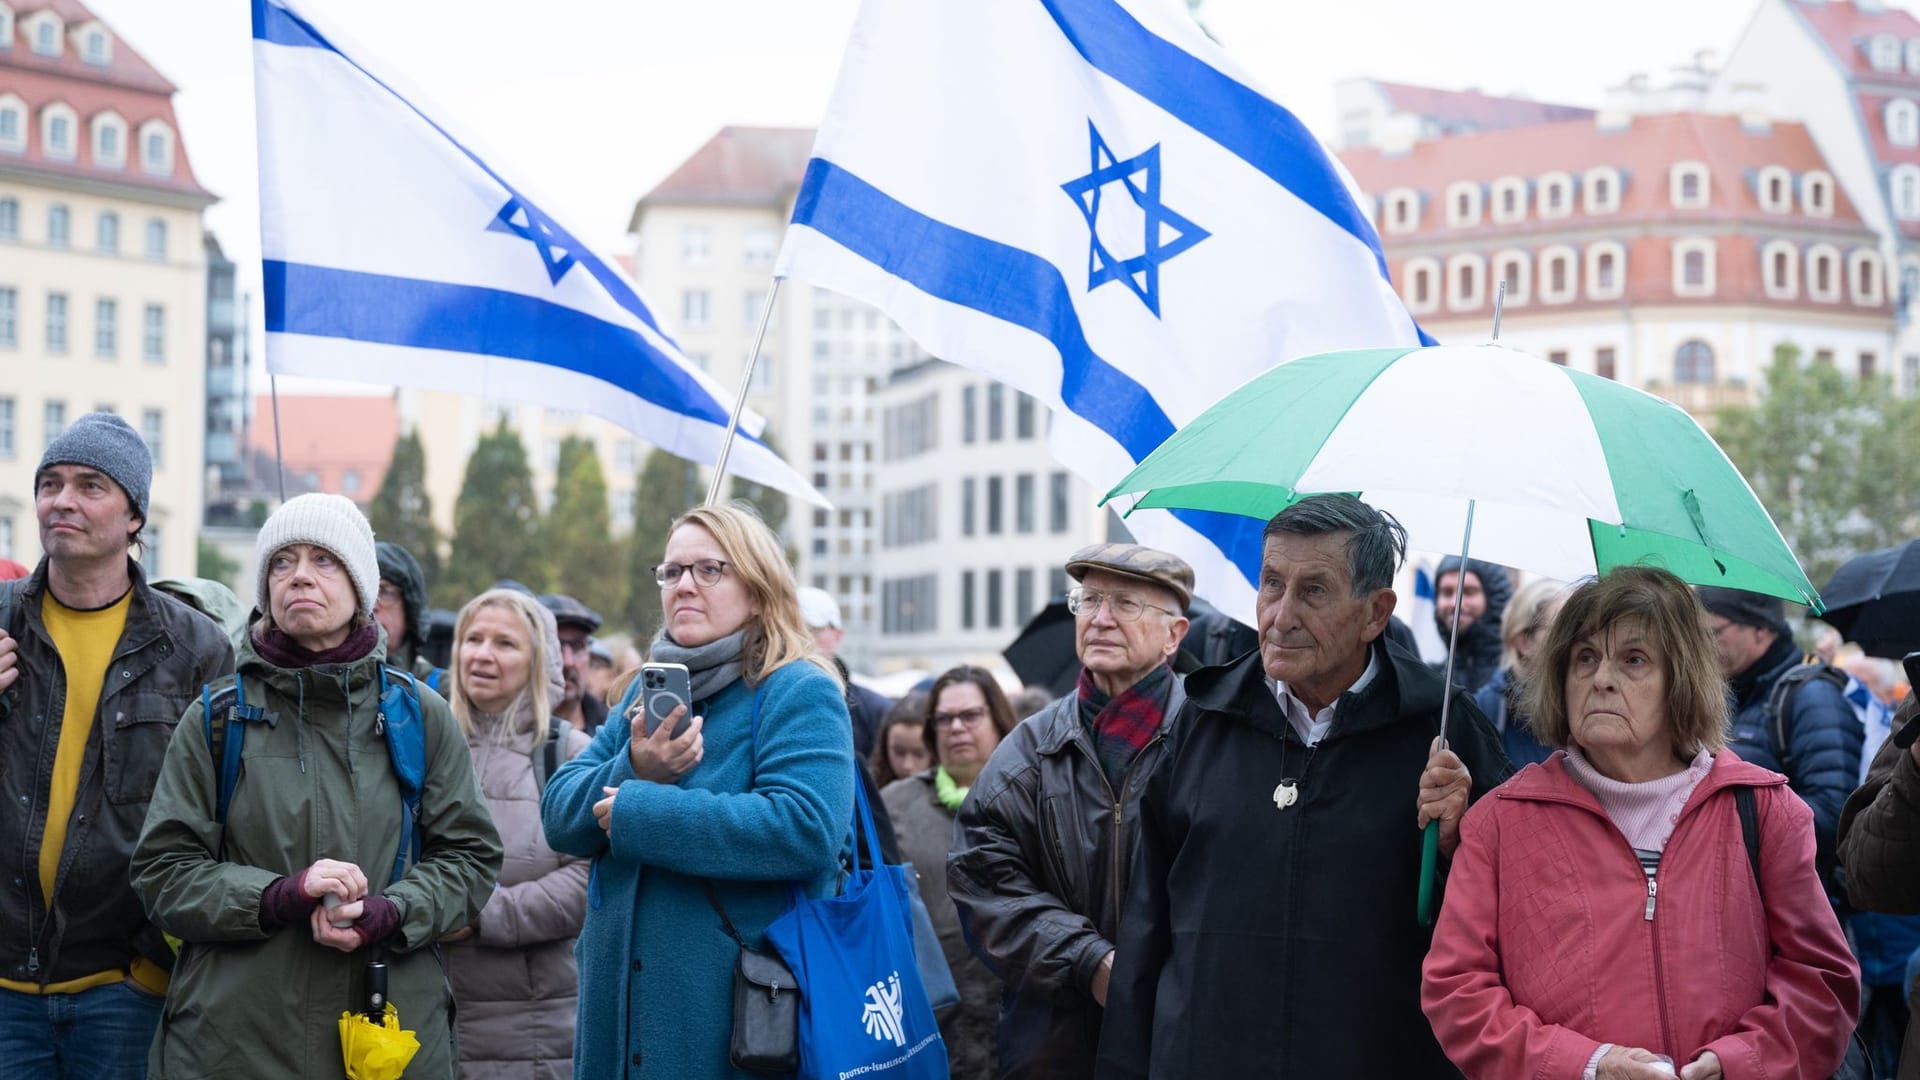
(513, 973)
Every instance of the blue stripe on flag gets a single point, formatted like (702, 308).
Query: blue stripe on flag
(1018, 287)
(278, 26)
(1242, 120)
(1422, 584)
(323, 302)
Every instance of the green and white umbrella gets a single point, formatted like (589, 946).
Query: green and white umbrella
(1564, 473)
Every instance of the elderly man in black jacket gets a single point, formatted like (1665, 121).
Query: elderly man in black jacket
(1040, 855)
(1269, 926)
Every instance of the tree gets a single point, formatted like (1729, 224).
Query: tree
(496, 523)
(403, 511)
(665, 488)
(215, 566)
(579, 544)
(1832, 459)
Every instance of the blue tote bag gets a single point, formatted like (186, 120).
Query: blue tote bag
(863, 1010)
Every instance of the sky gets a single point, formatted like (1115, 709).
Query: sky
(587, 104)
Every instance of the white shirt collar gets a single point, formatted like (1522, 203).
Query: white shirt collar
(1312, 728)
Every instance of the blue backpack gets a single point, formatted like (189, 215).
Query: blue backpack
(226, 715)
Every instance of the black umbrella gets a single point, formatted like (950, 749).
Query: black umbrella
(1043, 654)
(1874, 601)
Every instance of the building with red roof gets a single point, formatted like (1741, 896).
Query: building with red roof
(103, 268)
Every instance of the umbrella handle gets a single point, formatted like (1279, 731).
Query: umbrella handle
(1429, 871)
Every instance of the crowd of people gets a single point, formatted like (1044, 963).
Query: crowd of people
(1668, 844)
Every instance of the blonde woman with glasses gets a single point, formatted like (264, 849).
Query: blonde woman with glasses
(752, 799)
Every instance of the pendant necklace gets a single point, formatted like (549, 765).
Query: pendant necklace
(1288, 792)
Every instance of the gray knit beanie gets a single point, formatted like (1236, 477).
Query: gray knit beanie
(102, 440)
(326, 521)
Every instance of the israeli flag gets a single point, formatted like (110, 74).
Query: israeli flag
(1421, 619)
(393, 254)
(1088, 200)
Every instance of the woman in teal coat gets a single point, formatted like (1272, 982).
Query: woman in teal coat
(755, 796)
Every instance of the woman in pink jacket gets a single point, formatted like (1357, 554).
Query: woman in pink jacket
(1602, 918)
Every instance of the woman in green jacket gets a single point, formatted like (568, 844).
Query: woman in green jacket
(280, 909)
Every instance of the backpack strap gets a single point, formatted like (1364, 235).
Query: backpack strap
(548, 762)
(1780, 702)
(404, 730)
(433, 680)
(1743, 801)
(225, 716)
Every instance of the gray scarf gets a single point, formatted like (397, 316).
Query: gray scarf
(711, 667)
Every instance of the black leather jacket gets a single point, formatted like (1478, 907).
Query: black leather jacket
(167, 651)
(1039, 868)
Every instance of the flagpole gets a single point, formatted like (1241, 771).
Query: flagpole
(1430, 842)
(279, 461)
(740, 403)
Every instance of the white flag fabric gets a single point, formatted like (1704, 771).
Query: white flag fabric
(393, 254)
(1426, 632)
(1088, 200)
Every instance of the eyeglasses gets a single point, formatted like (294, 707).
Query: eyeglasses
(967, 717)
(706, 572)
(1124, 606)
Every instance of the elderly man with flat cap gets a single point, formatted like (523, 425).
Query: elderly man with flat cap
(1043, 840)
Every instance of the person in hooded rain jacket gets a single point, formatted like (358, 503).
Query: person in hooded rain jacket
(1880, 849)
(1481, 590)
(265, 967)
(400, 607)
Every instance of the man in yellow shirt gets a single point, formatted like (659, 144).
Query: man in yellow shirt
(95, 671)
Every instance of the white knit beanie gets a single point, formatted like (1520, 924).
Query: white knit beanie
(326, 521)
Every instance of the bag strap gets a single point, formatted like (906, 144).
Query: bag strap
(713, 898)
(1750, 832)
(753, 764)
(548, 762)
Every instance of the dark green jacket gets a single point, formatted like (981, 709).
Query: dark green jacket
(316, 782)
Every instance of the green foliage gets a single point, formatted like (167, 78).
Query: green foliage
(665, 488)
(580, 548)
(215, 566)
(1835, 460)
(771, 504)
(496, 522)
(403, 510)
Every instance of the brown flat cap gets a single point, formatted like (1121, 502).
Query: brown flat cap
(1154, 567)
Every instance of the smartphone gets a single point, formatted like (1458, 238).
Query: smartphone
(664, 688)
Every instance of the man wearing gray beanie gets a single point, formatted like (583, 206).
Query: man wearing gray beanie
(95, 670)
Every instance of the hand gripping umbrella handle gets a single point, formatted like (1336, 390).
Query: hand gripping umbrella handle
(1429, 871)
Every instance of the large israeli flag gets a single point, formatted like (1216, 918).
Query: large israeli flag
(394, 254)
(1088, 199)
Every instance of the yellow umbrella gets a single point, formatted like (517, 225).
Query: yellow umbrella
(376, 1050)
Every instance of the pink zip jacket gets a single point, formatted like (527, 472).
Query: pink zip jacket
(1553, 941)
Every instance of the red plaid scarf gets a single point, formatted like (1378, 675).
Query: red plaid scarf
(1123, 725)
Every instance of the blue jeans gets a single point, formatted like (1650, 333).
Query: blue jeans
(97, 1034)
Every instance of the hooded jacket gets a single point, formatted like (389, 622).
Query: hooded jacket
(1477, 657)
(1260, 940)
(1880, 848)
(316, 780)
(1553, 941)
(398, 565)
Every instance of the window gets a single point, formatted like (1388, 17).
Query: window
(1687, 185)
(1910, 373)
(996, 413)
(109, 141)
(1403, 210)
(56, 322)
(620, 507)
(1466, 275)
(46, 34)
(1023, 503)
(1056, 582)
(1903, 122)
(13, 123)
(1693, 363)
(1693, 267)
(1883, 52)
(1057, 502)
(1556, 195)
(1816, 193)
(1863, 270)
(1780, 264)
(57, 124)
(6, 537)
(150, 549)
(1509, 199)
(1823, 273)
(1557, 357)
(106, 233)
(1512, 268)
(6, 42)
(1774, 188)
(1422, 285)
(695, 309)
(156, 239)
(750, 303)
(1602, 186)
(106, 329)
(966, 599)
(153, 335)
(1903, 183)
(704, 363)
(1913, 56)
(969, 408)
(6, 428)
(967, 491)
(9, 219)
(696, 245)
(1557, 275)
(1024, 426)
(151, 434)
(59, 225)
(350, 481)
(1463, 204)
(1868, 362)
(1023, 606)
(1603, 362)
(94, 47)
(760, 245)
(1606, 270)
(995, 608)
(54, 420)
(996, 496)
(9, 316)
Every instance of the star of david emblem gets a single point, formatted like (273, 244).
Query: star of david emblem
(1166, 233)
(528, 223)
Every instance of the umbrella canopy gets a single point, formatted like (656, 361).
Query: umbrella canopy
(1874, 600)
(376, 1051)
(1568, 474)
(1043, 655)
